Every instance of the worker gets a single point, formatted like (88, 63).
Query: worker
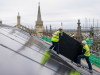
(55, 39)
(85, 54)
(75, 37)
(72, 36)
(86, 37)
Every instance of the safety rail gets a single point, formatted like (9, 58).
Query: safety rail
(46, 39)
(89, 42)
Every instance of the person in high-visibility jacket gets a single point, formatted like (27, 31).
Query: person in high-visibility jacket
(55, 39)
(85, 54)
(86, 37)
(70, 35)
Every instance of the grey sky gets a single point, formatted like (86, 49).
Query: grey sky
(52, 12)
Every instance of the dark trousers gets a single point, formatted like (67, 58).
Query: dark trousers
(56, 44)
(87, 59)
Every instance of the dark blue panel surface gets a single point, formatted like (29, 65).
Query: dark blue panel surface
(69, 47)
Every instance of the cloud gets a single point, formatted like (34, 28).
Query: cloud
(52, 12)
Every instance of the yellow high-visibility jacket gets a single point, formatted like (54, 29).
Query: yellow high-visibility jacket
(55, 37)
(87, 53)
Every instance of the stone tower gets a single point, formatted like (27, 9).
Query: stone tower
(46, 31)
(0, 21)
(50, 33)
(18, 21)
(78, 34)
(39, 23)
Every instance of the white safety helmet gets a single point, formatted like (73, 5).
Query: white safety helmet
(84, 42)
(85, 34)
(60, 27)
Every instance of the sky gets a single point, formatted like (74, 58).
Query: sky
(53, 12)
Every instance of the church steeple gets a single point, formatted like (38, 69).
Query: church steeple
(18, 19)
(39, 23)
(39, 14)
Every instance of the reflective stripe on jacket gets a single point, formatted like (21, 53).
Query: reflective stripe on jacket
(87, 52)
(55, 37)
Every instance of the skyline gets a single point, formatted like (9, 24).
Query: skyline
(52, 12)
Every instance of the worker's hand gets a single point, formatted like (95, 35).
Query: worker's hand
(62, 30)
(62, 34)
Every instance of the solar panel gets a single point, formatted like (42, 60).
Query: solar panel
(69, 47)
(22, 56)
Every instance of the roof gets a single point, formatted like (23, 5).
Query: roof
(22, 53)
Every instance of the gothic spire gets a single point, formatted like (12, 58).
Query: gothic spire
(18, 13)
(39, 14)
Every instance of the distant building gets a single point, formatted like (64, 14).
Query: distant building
(38, 27)
(78, 34)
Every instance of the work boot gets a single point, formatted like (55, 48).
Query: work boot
(78, 65)
(59, 55)
(90, 71)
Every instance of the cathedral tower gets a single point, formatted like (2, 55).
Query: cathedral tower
(39, 23)
(18, 20)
